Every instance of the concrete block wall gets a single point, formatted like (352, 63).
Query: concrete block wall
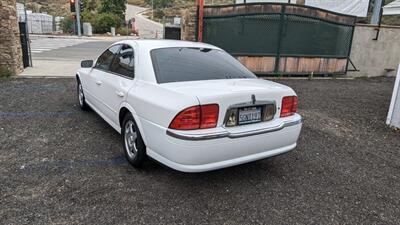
(375, 57)
(10, 45)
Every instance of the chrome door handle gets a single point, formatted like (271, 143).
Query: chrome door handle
(120, 93)
(99, 82)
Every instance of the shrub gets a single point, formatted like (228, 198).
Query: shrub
(88, 17)
(124, 31)
(67, 25)
(104, 21)
(5, 72)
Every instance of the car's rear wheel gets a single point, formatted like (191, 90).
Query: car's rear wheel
(134, 147)
(81, 97)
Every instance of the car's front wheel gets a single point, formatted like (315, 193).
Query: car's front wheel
(81, 97)
(134, 147)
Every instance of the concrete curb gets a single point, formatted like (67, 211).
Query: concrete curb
(59, 36)
(40, 77)
(93, 38)
(306, 78)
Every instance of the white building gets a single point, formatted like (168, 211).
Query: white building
(357, 8)
(392, 8)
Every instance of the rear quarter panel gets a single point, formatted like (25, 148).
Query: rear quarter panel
(83, 76)
(156, 104)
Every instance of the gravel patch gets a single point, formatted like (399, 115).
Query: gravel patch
(60, 165)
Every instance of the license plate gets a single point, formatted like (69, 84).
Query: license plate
(249, 115)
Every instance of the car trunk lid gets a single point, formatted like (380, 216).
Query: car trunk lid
(233, 92)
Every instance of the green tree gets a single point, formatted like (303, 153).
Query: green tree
(90, 5)
(89, 17)
(116, 7)
(104, 21)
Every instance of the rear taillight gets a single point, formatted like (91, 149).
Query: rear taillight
(188, 119)
(289, 106)
(196, 117)
(209, 116)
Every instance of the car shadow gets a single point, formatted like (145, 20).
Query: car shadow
(274, 168)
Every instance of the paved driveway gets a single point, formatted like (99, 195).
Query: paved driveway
(147, 28)
(59, 165)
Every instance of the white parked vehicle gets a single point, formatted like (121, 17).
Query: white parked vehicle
(190, 106)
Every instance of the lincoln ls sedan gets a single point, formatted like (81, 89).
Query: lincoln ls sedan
(190, 106)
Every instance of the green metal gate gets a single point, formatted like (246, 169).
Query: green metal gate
(275, 38)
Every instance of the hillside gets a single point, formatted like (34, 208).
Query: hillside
(177, 5)
(61, 8)
(52, 7)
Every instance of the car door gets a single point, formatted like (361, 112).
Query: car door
(101, 69)
(119, 81)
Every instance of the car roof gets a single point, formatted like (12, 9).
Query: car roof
(143, 47)
(150, 44)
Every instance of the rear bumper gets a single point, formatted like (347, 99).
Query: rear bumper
(220, 164)
(232, 135)
(190, 152)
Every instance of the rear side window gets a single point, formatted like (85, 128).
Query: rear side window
(124, 63)
(105, 59)
(193, 64)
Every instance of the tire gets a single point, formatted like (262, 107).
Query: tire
(134, 147)
(81, 97)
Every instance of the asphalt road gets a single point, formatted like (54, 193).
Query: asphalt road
(62, 56)
(59, 165)
(83, 49)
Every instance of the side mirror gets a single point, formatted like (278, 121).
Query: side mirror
(87, 63)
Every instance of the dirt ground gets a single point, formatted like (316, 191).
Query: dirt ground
(60, 165)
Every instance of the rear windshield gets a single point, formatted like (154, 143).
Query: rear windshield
(193, 64)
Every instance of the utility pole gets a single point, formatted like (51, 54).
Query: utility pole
(78, 16)
(200, 5)
(377, 12)
(152, 9)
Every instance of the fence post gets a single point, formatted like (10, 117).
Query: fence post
(349, 53)
(281, 24)
(196, 24)
(376, 14)
(200, 21)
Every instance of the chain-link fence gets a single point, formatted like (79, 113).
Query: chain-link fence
(260, 34)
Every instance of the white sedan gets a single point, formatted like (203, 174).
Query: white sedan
(190, 106)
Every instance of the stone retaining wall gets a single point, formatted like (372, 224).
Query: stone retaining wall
(10, 45)
(188, 27)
